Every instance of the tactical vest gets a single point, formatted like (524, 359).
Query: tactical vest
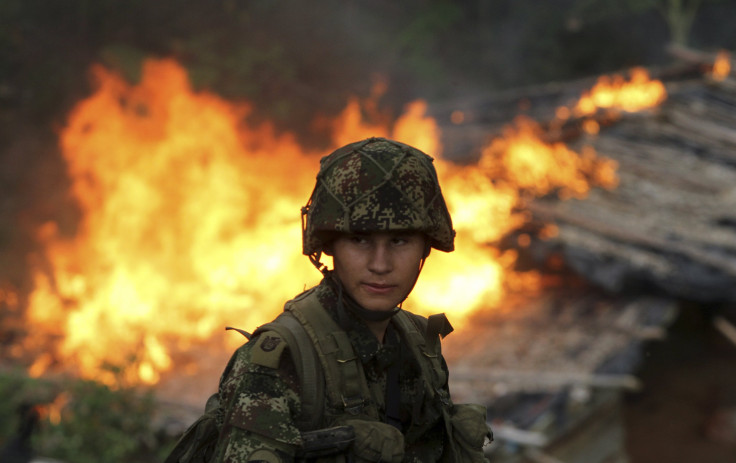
(328, 367)
(333, 384)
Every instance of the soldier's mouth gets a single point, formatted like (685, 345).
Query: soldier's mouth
(378, 289)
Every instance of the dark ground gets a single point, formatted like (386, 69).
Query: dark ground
(686, 411)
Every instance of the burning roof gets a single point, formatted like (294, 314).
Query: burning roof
(669, 225)
(551, 367)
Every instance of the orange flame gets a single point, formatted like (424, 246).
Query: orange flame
(191, 221)
(722, 66)
(53, 411)
(614, 92)
(8, 298)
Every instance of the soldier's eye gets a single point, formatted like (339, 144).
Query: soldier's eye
(358, 239)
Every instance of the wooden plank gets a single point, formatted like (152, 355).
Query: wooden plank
(726, 328)
(543, 379)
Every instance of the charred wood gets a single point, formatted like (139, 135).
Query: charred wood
(565, 337)
(692, 55)
(726, 328)
(670, 225)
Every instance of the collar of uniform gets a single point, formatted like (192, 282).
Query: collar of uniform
(364, 342)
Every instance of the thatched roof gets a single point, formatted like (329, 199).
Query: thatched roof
(670, 225)
(554, 340)
(666, 232)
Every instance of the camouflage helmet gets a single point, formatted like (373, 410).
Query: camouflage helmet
(376, 185)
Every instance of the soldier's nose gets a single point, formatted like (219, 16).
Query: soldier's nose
(380, 259)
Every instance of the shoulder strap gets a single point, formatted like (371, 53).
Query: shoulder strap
(306, 363)
(345, 384)
(422, 336)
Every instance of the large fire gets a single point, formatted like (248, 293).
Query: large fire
(190, 221)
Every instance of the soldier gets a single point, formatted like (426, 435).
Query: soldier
(344, 374)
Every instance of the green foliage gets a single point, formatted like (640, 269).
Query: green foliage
(17, 389)
(421, 37)
(100, 424)
(126, 59)
(598, 10)
(678, 15)
(97, 423)
(293, 59)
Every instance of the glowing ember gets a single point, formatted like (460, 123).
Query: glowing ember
(722, 66)
(614, 92)
(457, 117)
(191, 222)
(8, 297)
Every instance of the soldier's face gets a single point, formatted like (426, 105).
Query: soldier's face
(378, 269)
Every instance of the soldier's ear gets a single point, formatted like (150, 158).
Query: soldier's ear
(327, 249)
(427, 247)
(328, 239)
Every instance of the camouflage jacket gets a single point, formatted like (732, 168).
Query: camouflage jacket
(260, 404)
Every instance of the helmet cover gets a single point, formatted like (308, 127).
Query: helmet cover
(376, 185)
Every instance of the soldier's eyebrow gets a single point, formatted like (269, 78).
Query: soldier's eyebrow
(406, 233)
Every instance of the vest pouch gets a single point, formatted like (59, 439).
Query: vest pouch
(469, 432)
(376, 442)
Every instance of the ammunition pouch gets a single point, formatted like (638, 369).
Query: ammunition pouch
(358, 441)
(468, 431)
(376, 442)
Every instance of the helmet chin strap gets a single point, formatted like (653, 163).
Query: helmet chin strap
(421, 266)
(315, 260)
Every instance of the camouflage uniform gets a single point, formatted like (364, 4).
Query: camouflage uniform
(262, 403)
(367, 186)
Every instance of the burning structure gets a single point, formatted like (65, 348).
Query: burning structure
(186, 210)
(664, 235)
